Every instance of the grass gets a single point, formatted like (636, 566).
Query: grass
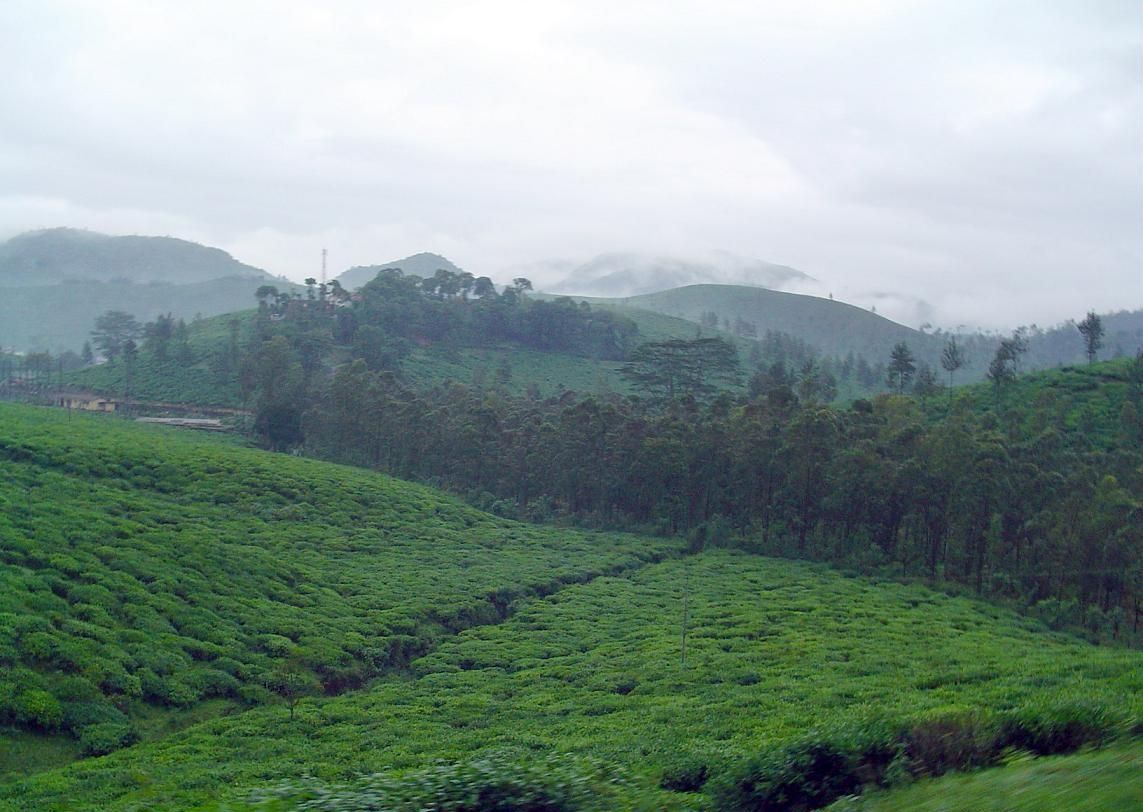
(1109, 780)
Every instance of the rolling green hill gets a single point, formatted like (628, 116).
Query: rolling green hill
(834, 328)
(778, 654)
(61, 317)
(144, 573)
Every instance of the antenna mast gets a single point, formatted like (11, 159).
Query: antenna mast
(323, 253)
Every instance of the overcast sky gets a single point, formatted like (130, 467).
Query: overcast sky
(985, 157)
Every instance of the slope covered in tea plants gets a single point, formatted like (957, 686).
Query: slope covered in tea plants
(143, 572)
(778, 654)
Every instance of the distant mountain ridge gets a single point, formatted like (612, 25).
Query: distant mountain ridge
(55, 255)
(424, 264)
(632, 274)
(54, 283)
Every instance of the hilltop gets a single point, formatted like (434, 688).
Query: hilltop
(55, 255)
(831, 328)
(424, 265)
(55, 283)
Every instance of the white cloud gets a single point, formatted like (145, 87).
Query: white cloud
(970, 155)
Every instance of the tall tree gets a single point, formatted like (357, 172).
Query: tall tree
(1091, 328)
(952, 358)
(902, 365)
(112, 331)
(1001, 369)
(674, 368)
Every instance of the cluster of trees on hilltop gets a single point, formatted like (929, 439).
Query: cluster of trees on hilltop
(394, 310)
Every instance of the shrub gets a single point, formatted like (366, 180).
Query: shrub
(496, 782)
(684, 775)
(626, 685)
(1058, 729)
(77, 716)
(100, 739)
(39, 709)
(938, 745)
(807, 775)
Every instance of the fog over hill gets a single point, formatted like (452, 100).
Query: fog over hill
(631, 274)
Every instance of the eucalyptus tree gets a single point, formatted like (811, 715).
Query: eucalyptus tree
(952, 358)
(901, 367)
(1091, 328)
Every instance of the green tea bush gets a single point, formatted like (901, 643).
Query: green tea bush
(807, 775)
(106, 737)
(1059, 728)
(957, 742)
(38, 708)
(684, 774)
(495, 782)
(78, 716)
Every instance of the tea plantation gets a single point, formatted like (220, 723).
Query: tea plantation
(222, 628)
(142, 570)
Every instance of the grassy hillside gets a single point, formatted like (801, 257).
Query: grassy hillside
(517, 370)
(144, 573)
(1088, 403)
(777, 654)
(204, 373)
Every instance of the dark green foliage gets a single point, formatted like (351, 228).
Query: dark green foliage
(901, 367)
(684, 774)
(800, 778)
(1091, 328)
(1059, 728)
(825, 766)
(994, 495)
(103, 738)
(114, 333)
(674, 369)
